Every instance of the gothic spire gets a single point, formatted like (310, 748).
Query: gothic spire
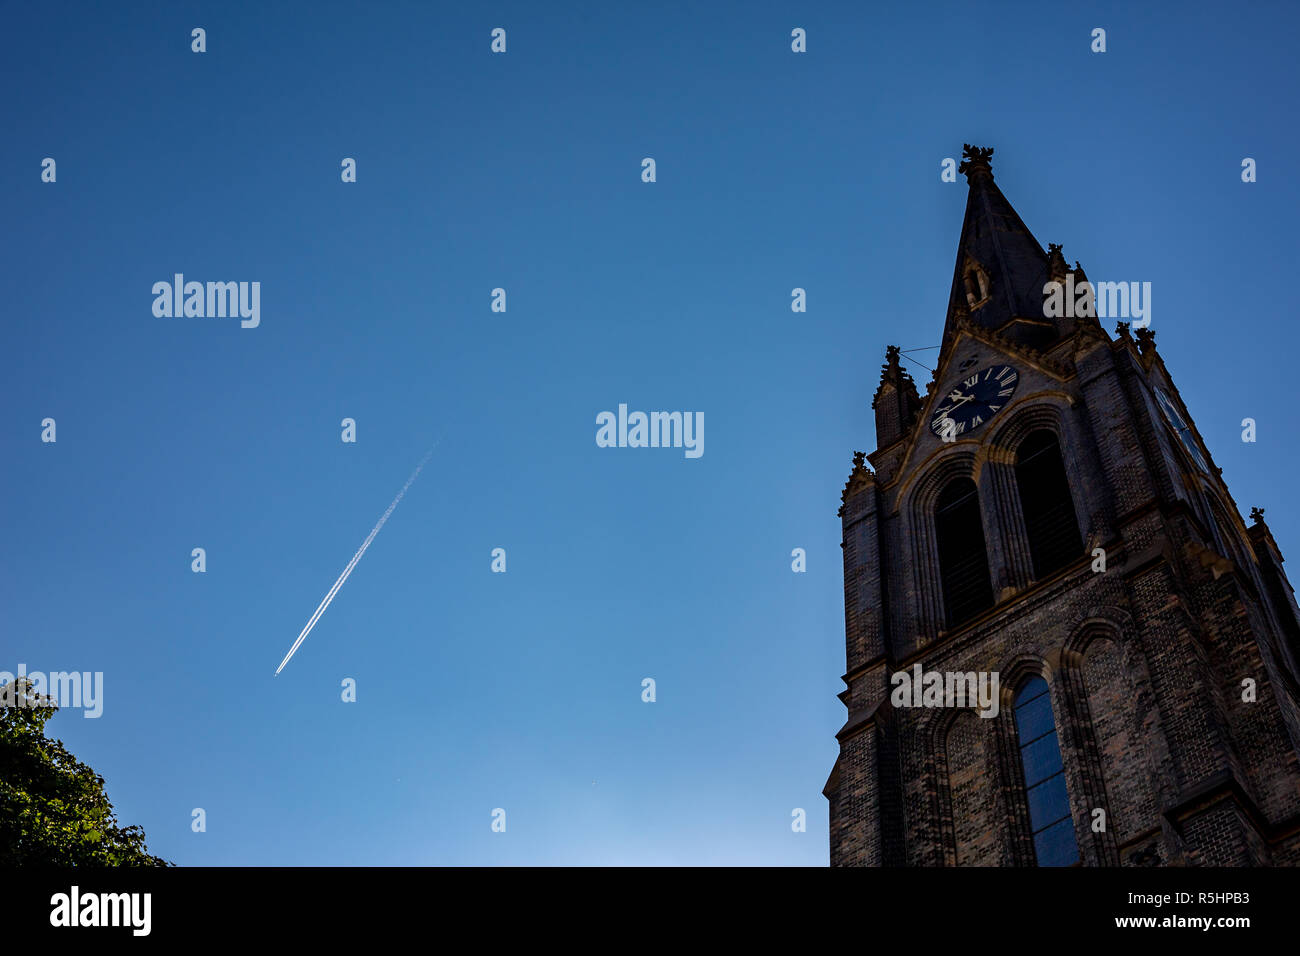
(1001, 268)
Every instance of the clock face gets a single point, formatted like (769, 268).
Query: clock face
(973, 401)
(1181, 427)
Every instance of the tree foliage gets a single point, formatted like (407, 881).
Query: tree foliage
(53, 809)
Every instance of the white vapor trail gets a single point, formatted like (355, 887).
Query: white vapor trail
(353, 563)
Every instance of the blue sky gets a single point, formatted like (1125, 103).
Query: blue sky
(475, 171)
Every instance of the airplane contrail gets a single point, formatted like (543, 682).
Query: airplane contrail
(353, 563)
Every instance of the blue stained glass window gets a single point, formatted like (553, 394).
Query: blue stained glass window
(1041, 759)
(1034, 719)
(1040, 755)
(1055, 846)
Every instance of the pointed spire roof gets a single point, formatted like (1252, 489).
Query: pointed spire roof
(896, 401)
(1001, 268)
(893, 375)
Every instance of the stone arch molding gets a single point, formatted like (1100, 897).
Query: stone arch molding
(1030, 413)
(1018, 667)
(1105, 621)
(917, 511)
(990, 463)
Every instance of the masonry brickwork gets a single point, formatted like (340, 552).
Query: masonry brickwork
(1147, 662)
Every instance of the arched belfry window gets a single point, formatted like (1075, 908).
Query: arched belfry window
(1040, 756)
(963, 559)
(1046, 504)
(977, 285)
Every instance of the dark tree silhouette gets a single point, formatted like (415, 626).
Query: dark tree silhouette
(53, 809)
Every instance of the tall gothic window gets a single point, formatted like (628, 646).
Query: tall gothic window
(963, 559)
(1046, 504)
(1040, 755)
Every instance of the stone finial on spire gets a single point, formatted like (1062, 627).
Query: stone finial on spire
(975, 162)
(1257, 515)
(1056, 265)
(1146, 339)
(896, 401)
(893, 373)
(860, 478)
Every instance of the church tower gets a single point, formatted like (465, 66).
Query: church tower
(1044, 524)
